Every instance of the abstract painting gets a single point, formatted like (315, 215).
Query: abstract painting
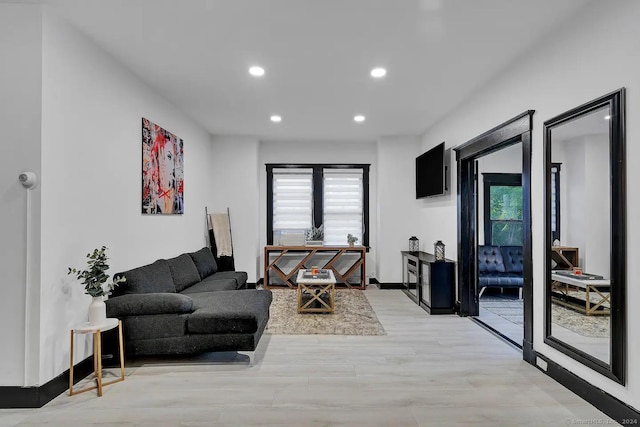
(162, 170)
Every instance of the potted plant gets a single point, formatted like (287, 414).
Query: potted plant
(351, 239)
(315, 236)
(94, 278)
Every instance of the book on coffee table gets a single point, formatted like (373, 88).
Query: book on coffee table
(322, 274)
(582, 276)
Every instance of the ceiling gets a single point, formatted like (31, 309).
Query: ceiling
(317, 55)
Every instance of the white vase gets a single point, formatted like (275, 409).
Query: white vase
(97, 311)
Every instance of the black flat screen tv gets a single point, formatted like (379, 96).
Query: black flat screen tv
(431, 173)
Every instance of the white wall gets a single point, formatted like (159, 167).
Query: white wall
(321, 152)
(595, 53)
(598, 236)
(585, 199)
(398, 217)
(438, 214)
(236, 186)
(239, 163)
(91, 179)
(20, 101)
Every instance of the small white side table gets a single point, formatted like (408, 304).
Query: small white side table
(96, 330)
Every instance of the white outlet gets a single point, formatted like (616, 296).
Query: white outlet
(542, 364)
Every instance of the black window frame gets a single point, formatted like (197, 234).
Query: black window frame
(555, 234)
(499, 180)
(318, 191)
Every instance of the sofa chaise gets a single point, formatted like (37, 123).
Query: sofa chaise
(500, 267)
(183, 305)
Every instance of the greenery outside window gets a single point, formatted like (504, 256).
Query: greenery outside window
(503, 224)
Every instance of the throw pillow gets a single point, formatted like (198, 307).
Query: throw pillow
(183, 271)
(205, 262)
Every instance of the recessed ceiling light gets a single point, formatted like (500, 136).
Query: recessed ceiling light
(378, 72)
(256, 71)
(607, 117)
(276, 119)
(358, 119)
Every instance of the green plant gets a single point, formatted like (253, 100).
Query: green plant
(351, 239)
(315, 233)
(95, 278)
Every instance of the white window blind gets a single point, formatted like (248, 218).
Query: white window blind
(343, 205)
(292, 200)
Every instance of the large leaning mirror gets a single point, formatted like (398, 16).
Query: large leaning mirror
(585, 234)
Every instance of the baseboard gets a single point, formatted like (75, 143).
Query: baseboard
(495, 332)
(37, 397)
(388, 285)
(528, 353)
(610, 405)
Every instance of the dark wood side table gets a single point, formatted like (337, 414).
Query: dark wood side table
(565, 257)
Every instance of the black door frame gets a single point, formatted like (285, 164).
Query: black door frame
(513, 131)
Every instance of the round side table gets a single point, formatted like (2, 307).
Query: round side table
(96, 330)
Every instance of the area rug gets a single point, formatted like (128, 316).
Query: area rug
(511, 309)
(353, 316)
(587, 326)
(597, 326)
(506, 307)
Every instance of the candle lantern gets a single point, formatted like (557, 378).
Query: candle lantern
(414, 244)
(438, 250)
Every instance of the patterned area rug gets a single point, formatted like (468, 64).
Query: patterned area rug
(587, 326)
(353, 316)
(511, 309)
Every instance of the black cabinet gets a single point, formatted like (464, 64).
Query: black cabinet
(411, 275)
(428, 282)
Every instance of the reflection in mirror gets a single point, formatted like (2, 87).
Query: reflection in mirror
(580, 187)
(585, 234)
(500, 238)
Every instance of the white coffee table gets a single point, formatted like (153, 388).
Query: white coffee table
(561, 283)
(316, 286)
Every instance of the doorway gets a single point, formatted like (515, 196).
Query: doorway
(515, 132)
(500, 235)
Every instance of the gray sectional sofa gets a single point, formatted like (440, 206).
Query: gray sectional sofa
(184, 305)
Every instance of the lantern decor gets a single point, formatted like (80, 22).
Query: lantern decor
(438, 250)
(414, 244)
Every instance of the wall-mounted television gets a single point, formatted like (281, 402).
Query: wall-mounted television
(432, 172)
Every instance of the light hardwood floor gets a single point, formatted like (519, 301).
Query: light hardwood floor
(427, 371)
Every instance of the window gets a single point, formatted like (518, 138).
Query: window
(555, 201)
(292, 199)
(334, 196)
(343, 205)
(503, 209)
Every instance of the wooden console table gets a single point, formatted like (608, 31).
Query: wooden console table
(307, 253)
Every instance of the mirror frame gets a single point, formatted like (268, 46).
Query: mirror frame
(616, 368)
